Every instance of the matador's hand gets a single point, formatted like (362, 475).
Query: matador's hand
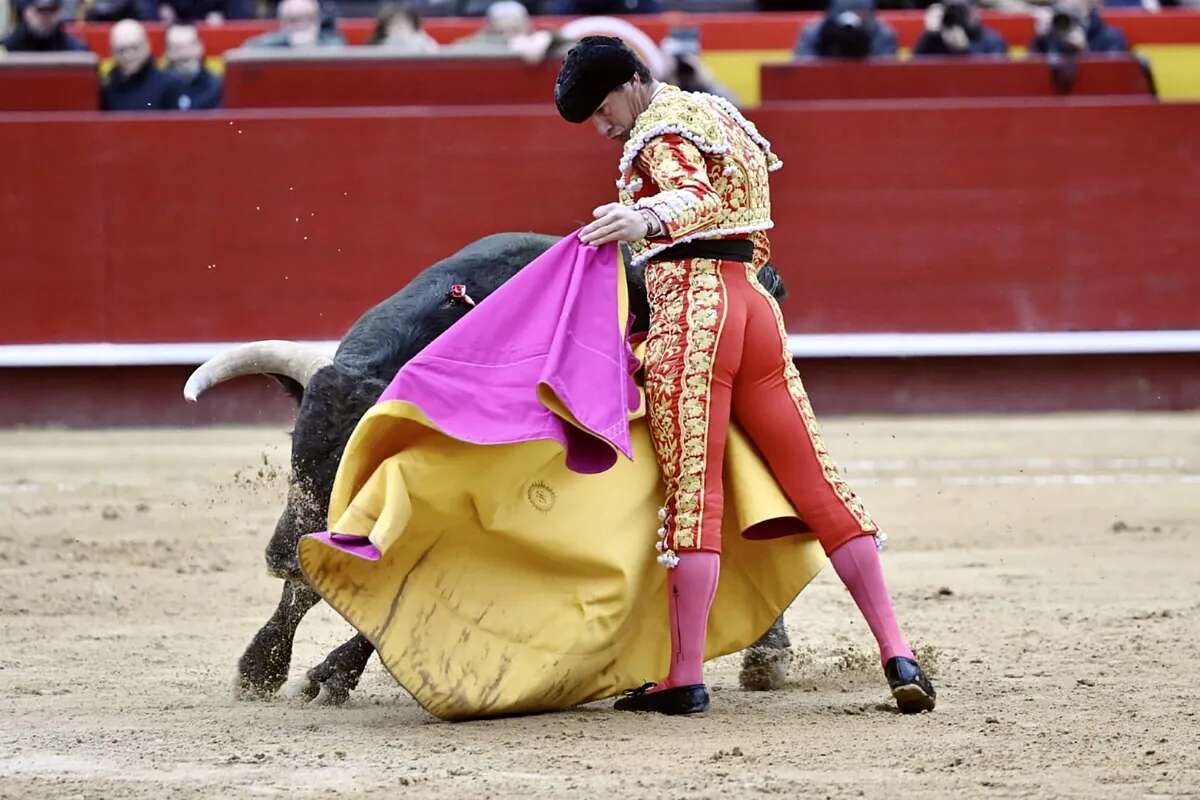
(614, 223)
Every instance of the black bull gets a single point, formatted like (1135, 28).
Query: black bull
(333, 395)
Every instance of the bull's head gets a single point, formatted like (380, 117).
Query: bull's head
(330, 400)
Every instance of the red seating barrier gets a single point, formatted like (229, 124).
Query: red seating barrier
(281, 79)
(50, 82)
(744, 31)
(921, 216)
(946, 77)
(258, 79)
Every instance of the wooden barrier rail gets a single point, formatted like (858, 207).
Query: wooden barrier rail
(367, 77)
(948, 77)
(361, 77)
(49, 82)
(890, 216)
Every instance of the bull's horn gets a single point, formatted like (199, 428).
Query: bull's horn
(273, 356)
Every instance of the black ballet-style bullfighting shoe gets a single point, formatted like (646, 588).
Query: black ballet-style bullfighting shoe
(680, 700)
(912, 690)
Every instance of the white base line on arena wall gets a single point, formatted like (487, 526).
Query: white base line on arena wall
(834, 345)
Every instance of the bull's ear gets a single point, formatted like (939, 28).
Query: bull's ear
(290, 386)
(772, 281)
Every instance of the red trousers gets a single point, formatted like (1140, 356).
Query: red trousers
(716, 349)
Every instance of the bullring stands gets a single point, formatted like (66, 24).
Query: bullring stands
(736, 46)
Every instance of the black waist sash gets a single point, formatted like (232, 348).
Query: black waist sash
(720, 249)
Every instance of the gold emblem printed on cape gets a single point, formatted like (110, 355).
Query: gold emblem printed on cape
(541, 497)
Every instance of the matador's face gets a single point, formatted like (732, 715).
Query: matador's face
(616, 115)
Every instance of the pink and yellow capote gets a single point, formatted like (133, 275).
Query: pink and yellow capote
(508, 562)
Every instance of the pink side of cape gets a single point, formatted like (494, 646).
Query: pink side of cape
(554, 324)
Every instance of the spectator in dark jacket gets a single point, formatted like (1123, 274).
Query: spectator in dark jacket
(40, 30)
(198, 88)
(593, 8)
(849, 29)
(114, 10)
(955, 28)
(135, 84)
(212, 12)
(686, 69)
(1075, 26)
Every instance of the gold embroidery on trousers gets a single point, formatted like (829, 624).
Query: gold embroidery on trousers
(688, 311)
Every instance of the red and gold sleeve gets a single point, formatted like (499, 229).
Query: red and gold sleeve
(686, 202)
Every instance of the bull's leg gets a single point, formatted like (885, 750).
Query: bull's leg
(331, 681)
(765, 663)
(263, 668)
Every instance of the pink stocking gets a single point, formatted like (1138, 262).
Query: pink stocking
(857, 564)
(691, 587)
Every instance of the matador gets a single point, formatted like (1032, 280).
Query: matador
(694, 207)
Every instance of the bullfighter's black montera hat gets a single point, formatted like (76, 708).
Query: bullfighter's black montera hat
(592, 69)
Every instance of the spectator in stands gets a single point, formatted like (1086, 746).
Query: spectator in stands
(211, 12)
(685, 69)
(398, 27)
(135, 83)
(955, 28)
(300, 25)
(593, 8)
(849, 29)
(509, 31)
(1075, 26)
(506, 20)
(114, 10)
(40, 30)
(198, 88)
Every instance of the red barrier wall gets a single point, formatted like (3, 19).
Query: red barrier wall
(946, 77)
(340, 82)
(28, 86)
(744, 31)
(933, 216)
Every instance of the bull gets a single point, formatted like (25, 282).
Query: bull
(333, 394)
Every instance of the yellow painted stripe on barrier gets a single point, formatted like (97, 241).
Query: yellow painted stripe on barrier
(738, 69)
(1176, 69)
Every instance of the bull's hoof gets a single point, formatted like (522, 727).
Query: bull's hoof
(262, 671)
(247, 688)
(315, 693)
(330, 682)
(765, 669)
(320, 688)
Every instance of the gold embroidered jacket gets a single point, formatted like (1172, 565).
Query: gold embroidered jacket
(701, 167)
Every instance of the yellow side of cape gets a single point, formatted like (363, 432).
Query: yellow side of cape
(509, 584)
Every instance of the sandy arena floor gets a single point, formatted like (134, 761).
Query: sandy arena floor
(1047, 567)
